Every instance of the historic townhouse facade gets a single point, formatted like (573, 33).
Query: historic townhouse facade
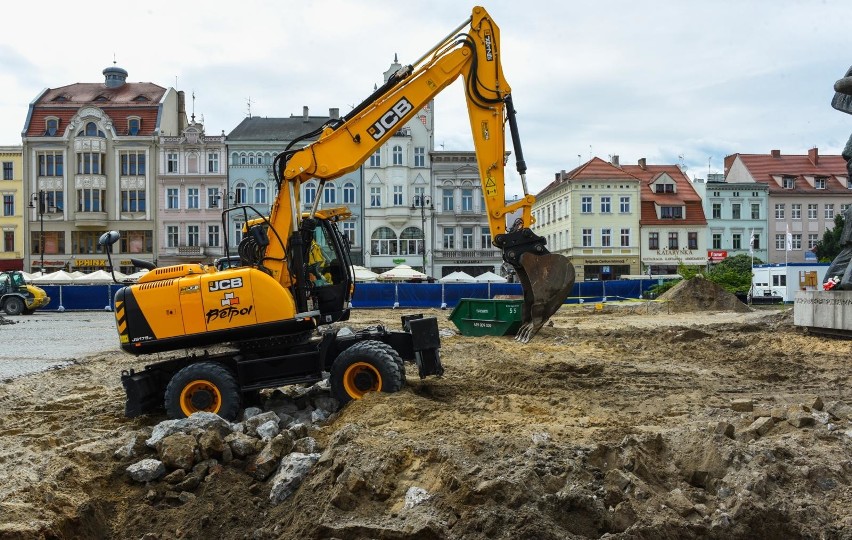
(253, 145)
(90, 164)
(805, 193)
(461, 231)
(192, 178)
(737, 217)
(598, 224)
(672, 225)
(14, 203)
(397, 177)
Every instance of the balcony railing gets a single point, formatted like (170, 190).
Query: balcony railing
(467, 254)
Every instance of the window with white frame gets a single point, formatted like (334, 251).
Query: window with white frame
(172, 236)
(91, 200)
(716, 209)
(132, 162)
(240, 193)
(8, 204)
(349, 231)
(819, 182)
(625, 237)
(449, 237)
(735, 211)
(212, 197)
(8, 170)
(812, 240)
(624, 205)
(737, 241)
(606, 237)
(485, 237)
(586, 237)
(447, 195)
(673, 240)
(213, 235)
(397, 196)
(829, 211)
(812, 211)
(796, 211)
(375, 197)
(606, 206)
(192, 235)
(383, 241)
(467, 200)
(779, 211)
(376, 159)
(780, 242)
(192, 198)
(329, 193)
(260, 193)
(397, 155)
(310, 193)
(586, 205)
(172, 198)
(212, 162)
(797, 241)
(348, 193)
(755, 211)
(467, 237)
(788, 182)
(419, 156)
(692, 240)
(171, 162)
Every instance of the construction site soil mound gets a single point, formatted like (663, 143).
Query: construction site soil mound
(701, 424)
(699, 294)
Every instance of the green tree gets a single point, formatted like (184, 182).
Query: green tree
(828, 248)
(734, 273)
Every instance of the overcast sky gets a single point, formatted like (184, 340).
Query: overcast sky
(671, 81)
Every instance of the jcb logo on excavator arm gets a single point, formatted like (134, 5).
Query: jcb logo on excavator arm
(389, 119)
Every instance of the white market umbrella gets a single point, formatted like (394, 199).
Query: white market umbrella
(134, 276)
(458, 277)
(99, 276)
(490, 277)
(364, 274)
(60, 276)
(401, 273)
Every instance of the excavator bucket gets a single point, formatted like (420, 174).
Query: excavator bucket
(547, 280)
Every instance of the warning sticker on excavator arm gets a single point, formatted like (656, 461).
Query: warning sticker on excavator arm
(490, 187)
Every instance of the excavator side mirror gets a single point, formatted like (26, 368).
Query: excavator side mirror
(109, 238)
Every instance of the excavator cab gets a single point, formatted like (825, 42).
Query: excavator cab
(327, 281)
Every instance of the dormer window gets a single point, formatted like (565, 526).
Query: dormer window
(140, 98)
(101, 98)
(51, 126)
(664, 188)
(60, 99)
(133, 125)
(671, 212)
(819, 182)
(91, 130)
(788, 182)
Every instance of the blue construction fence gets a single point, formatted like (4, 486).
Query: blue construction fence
(383, 295)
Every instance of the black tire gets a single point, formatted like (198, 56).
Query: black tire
(14, 306)
(388, 349)
(364, 367)
(205, 386)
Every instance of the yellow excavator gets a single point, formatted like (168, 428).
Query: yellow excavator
(294, 272)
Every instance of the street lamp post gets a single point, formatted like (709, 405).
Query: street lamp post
(423, 202)
(40, 199)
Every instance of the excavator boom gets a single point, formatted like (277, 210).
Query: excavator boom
(343, 145)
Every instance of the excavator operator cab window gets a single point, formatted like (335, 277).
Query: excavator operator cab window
(324, 267)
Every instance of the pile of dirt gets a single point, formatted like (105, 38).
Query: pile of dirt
(700, 294)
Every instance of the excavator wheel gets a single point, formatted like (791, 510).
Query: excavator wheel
(14, 306)
(364, 367)
(205, 386)
(388, 349)
(547, 280)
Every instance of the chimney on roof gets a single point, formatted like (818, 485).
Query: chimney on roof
(813, 156)
(642, 164)
(305, 113)
(334, 113)
(776, 153)
(614, 160)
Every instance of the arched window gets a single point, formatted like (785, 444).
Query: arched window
(397, 155)
(235, 159)
(91, 129)
(310, 193)
(243, 159)
(240, 195)
(383, 242)
(251, 158)
(51, 126)
(411, 241)
(348, 193)
(260, 193)
(133, 126)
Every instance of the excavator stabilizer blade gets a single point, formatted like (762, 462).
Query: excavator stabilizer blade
(547, 280)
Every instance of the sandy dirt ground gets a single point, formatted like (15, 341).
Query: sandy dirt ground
(623, 422)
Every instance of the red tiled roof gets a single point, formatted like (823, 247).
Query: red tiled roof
(594, 169)
(129, 99)
(763, 167)
(686, 195)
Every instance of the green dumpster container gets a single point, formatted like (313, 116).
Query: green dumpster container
(482, 317)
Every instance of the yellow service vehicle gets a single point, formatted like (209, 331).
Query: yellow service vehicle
(19, 297)
(295, 270)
